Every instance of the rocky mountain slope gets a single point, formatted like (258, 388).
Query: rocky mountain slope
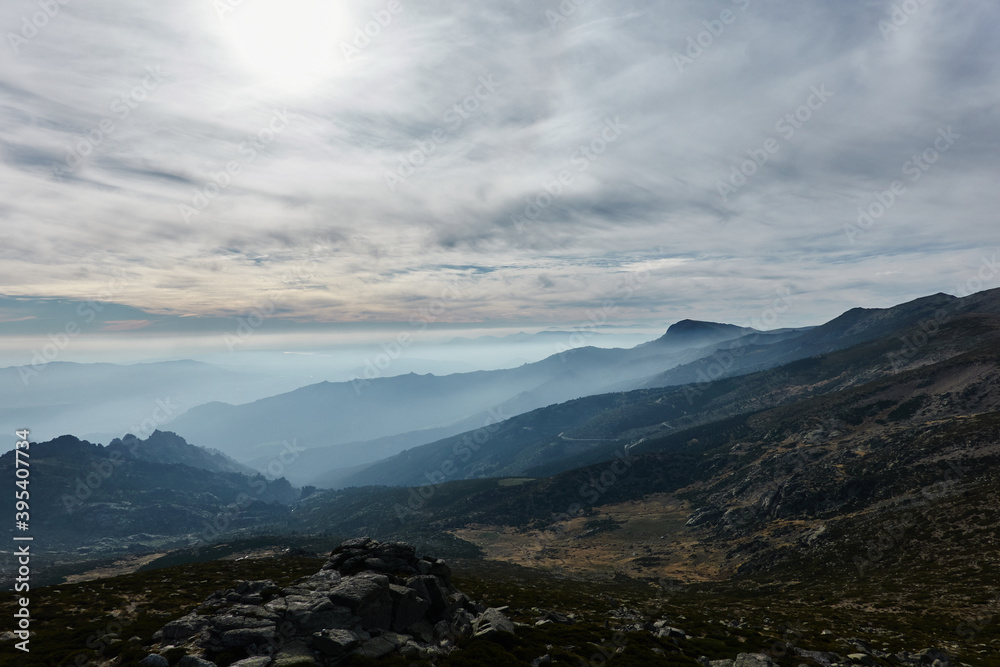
(561, 437)
(136, 495)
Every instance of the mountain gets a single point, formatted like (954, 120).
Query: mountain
(860, 463)
(168, 448)
(693, 333)
(839, 509)
(561, 437)
(87, 497)
(754, 352)
(329, 414)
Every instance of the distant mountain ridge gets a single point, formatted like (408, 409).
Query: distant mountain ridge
(87, 494)
(168, 447)
(330, 414)
(557, 438)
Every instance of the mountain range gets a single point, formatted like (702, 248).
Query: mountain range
(856, 462)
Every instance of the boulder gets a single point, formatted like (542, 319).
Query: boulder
(256, 661)
(370, 599)
(334, 642)
(491, 622)
(154, 660)
(194, 661)
(753, 660)
(296, 653)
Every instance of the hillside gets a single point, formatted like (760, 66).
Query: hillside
(137, 496)
(856, 489)
(328, 414)
(565, 436)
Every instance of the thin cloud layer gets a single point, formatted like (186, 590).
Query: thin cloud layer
(685, 159)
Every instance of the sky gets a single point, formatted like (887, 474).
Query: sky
(493, 164)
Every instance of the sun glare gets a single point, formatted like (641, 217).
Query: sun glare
(288, 44)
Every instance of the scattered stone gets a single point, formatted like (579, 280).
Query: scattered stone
(334, 642)
(753, 660)
(667, 631)
(376, 647)
(194, 661)
(154, 660)
(295, 653)
(256, 661)
(491, 622)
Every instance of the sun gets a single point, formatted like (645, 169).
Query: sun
(287, 44)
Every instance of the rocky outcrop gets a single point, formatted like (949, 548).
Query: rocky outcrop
(369, 598)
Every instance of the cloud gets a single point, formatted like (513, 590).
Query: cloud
(125, 325)
(491, 123)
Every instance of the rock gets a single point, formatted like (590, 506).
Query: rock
(367, 596)
(194, 661)
(667, 631)
(428, 587)
(423, 631)
(555, 617)
(184, 628)
(819, 657)
(542, 661)
(154, 660)
(408, 607)
(296, 653)
(370, 599)
(376, 647)
(247, 637)
(491, 622)
(752, 660)
(334, 642)
(720, 663)
(862, 659)
(256, 661)
(931, 656)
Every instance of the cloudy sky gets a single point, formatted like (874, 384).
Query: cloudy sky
(515, 162)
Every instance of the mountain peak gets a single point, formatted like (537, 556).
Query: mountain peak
(699, 326)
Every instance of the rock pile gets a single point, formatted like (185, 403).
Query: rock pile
(370, 599)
